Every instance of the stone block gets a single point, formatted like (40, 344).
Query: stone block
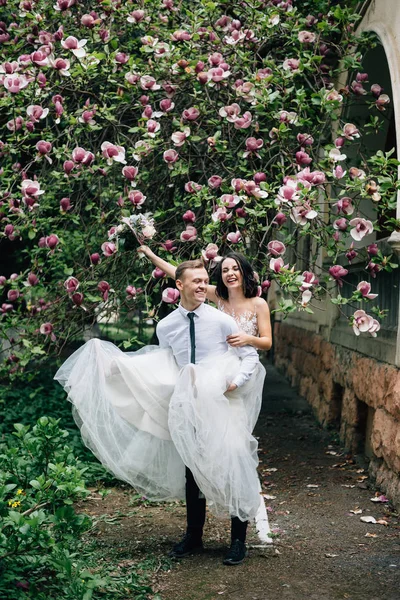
(385, 438)
(369, 381)
(391, 400)
(349, 408)
(326, 385)
(316, 341)
(386, 481)
(327, 354)
(310, 365)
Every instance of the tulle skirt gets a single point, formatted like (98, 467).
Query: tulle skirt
(145, 419)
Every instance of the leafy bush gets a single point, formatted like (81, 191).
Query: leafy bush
(225, 118)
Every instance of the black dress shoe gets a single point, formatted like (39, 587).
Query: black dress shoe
(189, 544)
(236, 553)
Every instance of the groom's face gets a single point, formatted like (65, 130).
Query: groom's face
(193, 286)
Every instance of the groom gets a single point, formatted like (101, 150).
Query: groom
(195, 331)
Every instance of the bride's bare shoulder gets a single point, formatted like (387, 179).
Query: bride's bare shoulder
(260, 304)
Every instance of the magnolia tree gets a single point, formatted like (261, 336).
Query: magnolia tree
(196, 127)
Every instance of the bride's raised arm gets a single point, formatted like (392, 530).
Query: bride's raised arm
(170, 270)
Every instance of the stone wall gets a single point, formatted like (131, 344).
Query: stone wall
(359, 396)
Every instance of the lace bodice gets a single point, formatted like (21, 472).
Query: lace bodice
(246, 321)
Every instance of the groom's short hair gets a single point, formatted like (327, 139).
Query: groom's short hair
(188, 264)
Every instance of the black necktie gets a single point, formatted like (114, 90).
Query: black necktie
(191, 316)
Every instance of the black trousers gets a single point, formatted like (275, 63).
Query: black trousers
(196, 512)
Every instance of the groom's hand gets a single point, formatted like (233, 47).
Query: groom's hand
(232, 387)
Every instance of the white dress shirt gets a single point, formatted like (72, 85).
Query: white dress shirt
(211, 329)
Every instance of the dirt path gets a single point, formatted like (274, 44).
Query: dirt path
(322, 550)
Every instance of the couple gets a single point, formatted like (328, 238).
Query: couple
(175, 421)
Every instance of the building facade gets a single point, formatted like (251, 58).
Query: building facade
(353, 383)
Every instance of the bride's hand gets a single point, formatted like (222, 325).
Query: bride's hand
(144, 250)
(238, 339)
(232, 387)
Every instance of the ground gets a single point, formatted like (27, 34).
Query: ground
(322, 550)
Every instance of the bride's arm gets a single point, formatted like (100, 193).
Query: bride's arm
(165, 266)
(264, 341)
(170, 270)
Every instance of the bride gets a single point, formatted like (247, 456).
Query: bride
(234, 294)
(128, 406)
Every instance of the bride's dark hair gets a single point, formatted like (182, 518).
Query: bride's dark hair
(249, 281)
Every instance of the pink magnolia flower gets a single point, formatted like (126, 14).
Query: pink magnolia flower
(136, 16)
(276, 264)
(62, 65)
(308, 279)
(47, 330)
(351, 254)
(337, 272)
(89, 21)
(170, 295)
(373, 268)
(191, 114)
(87, 117)
(44, 148)
(214, 182)
(168, 245)
(95, 258)
(338, 172)
(376, 90)
(181, 36)
(333, 96)
(211, 253)
(350, 131)
(189, 216)
(40, 58)
(13, 295)
(180, 137)
(158, 273)
(15, 83)
(288, 193)
(356, 173)
(15, 124)
(65, 204)
(363, 323)
(149, 83)
(121, 58)
(303, 213)
(306, 37)
(265, 285)
(192, 187)
(130, 173)
(234, 237)
(189, 235)
(243, 122)
(382, 101)
(52, 241)
(108, 248)
(132, 78)
(104, 289)
(131, 291)
(9, 232)
(276, 248)
(373, 249)
(252, 146)
(221, 214)
(259, 177)
(231, 112)
(345, 206)
(71, 285)
(302, 158)
(170, 157)
(167, 105)
(365, 288)
(152, 127)
(77, 299)
(336, 156)
(291, 64)
(230, 200)
(68, 166)
(340, 224)
(36, 112)
(217, 75)
(76, 46)
(136, 198)
(113, 153)
(31, 188)
(360, 228)
(80, 155)
(305, 139)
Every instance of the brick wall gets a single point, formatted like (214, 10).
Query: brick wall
(357, 395)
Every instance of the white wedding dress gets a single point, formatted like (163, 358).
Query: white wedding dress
(145, 419)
